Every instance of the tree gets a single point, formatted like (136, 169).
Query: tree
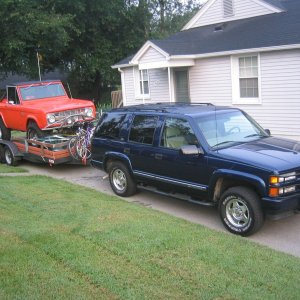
(28, 26)
(83, 37)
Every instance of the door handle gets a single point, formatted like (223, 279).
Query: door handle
(127, 150)
(158, 156)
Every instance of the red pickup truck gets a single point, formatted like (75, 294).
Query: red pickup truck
(39, 108)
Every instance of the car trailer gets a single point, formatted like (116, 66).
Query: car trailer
(52, 150)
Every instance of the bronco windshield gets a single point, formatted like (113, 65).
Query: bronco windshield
(41, 91)
(227, 128)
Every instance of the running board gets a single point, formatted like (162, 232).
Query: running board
(175, 195)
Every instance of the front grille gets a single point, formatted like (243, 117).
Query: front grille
(64, 114)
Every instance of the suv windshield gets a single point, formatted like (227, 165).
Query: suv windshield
(48, 90)
(226, 128)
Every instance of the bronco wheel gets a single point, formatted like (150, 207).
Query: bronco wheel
(240, 211)
(9, 157)
(5, 133)
(120, 180)
(33, 131)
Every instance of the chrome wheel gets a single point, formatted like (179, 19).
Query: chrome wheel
(119, 180)
(8, 157)
(237, 212)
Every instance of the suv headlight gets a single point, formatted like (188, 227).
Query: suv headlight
(89, 112)
(279, 184)
(51, 118)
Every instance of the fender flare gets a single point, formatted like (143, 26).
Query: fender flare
(249, 179)
(31, 118)
(3, 120)
(119, 157)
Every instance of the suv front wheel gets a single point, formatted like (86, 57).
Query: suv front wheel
(240, 211)
(120, 180)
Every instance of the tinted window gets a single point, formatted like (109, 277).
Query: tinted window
(110, 125)
(142, 129)
(177, 133)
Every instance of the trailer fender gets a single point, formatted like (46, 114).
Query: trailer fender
(12, 146)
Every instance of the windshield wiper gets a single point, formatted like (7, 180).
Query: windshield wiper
(223, 143)
(254, 134)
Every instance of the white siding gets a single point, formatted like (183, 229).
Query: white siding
(159, 86)
(242, 9)
(210, 81)
(280, 81)
(129, 86)
(152, 55)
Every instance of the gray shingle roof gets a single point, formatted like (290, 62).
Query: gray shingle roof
(263, 31)
(276, 3)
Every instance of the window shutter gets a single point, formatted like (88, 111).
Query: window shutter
(228, 8)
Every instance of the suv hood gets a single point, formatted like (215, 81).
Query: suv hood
(57, 104)
(268, 153)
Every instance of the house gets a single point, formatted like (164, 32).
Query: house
(243, 53)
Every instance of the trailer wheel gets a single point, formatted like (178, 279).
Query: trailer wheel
(5, 133)
(33, 131)
(9, 157)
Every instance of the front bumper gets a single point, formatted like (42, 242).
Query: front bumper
(69, 122)
(281, 206)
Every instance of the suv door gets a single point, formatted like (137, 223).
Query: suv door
(183, 171)
(140, 147)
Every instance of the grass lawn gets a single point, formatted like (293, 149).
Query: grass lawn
(62, 241)
(8, 169)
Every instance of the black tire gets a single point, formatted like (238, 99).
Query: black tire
(240, 211)
(33, 131)
(120, 180)
(9, 157)
(5, 133)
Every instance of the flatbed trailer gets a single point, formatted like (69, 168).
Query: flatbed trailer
(52, 150)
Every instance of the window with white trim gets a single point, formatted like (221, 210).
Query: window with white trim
(248, 74)
(144, 82)
(246, 79)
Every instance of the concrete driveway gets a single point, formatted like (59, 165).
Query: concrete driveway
(282, 235)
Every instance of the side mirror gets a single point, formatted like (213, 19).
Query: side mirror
(268, 131)
(191, 150)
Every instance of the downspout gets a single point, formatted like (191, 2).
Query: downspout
(123, 86)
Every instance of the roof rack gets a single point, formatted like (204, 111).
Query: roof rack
(161, 106)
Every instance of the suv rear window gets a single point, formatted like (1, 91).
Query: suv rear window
(110, 126)
(142, 129)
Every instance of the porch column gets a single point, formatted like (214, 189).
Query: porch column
(169, 79)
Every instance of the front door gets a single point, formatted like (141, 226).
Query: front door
(181, 86)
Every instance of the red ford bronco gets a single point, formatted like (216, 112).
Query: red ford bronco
(40, 107)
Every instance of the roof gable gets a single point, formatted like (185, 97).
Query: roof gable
(213, 11)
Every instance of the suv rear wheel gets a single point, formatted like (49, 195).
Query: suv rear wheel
(5, 133)
(240, 211)
(120, 180)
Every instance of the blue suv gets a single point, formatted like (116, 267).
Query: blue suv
(206, 154)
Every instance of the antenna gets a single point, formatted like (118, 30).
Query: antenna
(38, 61)
(69, 90)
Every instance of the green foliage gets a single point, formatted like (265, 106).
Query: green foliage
(83, 37)
(61, 241)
